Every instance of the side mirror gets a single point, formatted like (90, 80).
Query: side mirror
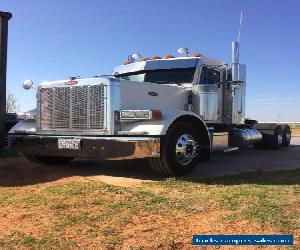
(28, 84)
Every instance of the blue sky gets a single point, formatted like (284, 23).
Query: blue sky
(50, 40)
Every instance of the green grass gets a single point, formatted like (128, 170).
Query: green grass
(101, 215)
(18, 240)
(79, 218)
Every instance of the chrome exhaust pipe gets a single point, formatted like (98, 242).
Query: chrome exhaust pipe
(235, 60)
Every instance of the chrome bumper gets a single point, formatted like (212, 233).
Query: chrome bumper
(90, 147)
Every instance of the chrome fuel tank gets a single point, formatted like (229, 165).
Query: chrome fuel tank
(244, 137)
(205, 101)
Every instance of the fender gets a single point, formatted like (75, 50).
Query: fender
(24, 127)
(196, 120)
(183, 115)
(161, 127)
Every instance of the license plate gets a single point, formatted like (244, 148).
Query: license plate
(73, 144)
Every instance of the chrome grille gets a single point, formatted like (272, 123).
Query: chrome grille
(76, 108)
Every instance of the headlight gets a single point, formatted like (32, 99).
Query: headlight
(26, 116)
(127, 114)
(140, 115)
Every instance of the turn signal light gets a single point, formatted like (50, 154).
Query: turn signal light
(156, 114)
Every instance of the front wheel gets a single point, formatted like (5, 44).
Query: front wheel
(48, 160)
(180, 151)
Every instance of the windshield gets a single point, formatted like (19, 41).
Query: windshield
(161, 76)
(132, 77)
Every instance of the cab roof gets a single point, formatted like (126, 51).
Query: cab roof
(171, 63)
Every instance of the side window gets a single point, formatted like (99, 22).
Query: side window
(209, 76)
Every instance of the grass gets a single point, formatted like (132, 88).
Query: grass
(21, 240)
(161, 214)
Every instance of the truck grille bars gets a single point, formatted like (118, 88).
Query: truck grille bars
(76, 108)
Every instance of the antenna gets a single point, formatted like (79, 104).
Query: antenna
(240, 27)
(236, 44)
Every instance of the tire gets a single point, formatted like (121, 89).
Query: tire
(48, 160)
(277, 138)
(286, 138)
(180, 151)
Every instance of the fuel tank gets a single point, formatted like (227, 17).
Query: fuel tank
(244, 137)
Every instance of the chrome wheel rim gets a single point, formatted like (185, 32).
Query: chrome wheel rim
(186, 149)
(279, 136)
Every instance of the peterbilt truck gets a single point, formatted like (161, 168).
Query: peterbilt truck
(173, 111)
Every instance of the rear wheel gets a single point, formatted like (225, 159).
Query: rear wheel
(48, 160)
(277, 139)
(287, 135)
(180, 151)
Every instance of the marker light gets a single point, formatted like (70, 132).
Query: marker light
(168, 56)
(156, 57)
(197, 54)
(71, 82)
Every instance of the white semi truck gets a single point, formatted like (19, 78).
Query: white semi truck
(174, 111)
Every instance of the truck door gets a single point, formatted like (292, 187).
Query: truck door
(206, 94)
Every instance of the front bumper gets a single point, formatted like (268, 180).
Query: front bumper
(90, 147)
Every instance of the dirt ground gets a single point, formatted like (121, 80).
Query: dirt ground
(20, 172)
(296, 131)
(95, 204)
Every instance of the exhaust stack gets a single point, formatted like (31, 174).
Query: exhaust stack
(235, 60)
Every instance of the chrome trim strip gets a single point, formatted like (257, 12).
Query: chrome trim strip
(107, 138)
(123, 132)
